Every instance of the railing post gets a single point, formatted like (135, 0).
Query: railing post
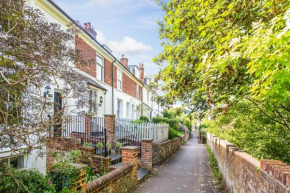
(130, 155)
(146, 154)
(110, 128)
(88, 128)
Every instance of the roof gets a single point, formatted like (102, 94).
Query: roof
(93, 82)
(102, 46)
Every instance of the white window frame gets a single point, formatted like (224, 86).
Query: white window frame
(128, 110)
(100, 65)
(119, 79)
(22, 158)
(119, 108)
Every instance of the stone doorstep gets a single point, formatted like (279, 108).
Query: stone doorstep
(142, 174)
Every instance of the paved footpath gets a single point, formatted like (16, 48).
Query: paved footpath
(186, 171)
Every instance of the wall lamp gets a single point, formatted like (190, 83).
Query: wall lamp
(101, 101)
(46, 91)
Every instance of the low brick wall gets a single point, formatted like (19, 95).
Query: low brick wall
(162, 151)
(245, 174)
(120, 179)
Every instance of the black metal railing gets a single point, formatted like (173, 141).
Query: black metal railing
(124, 136)
(90, 131)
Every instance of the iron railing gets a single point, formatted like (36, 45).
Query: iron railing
(124, 136)
(89, 130)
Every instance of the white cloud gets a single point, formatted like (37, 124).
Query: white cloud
(126, 46)
(129, 46)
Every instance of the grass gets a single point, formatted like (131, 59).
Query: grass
(214, 166)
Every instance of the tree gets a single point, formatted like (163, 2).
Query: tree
(34, 54)
(213, 54)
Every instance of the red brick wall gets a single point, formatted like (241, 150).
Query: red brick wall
(242, 172)
(129, 86)
(89, 57)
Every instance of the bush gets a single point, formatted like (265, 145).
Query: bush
(144, 118)
(166, 114)
(138, 121)
(33, 181)
(172, 133)
(63, 175)
(173, 123)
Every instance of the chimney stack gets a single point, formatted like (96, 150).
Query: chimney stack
(124, 61)
(88, 27)
(141, 66)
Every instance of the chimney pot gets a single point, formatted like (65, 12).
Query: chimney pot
(124, 61)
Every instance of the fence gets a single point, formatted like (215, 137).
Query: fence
(87, 129)
(158, 132)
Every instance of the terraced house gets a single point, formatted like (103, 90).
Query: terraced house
(116, 86)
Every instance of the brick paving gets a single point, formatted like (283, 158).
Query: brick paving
(186, 171)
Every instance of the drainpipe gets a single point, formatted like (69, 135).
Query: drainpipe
(113, 86)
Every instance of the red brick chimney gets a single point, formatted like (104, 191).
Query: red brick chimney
(124, 61)
(88, 27)
(141, 66)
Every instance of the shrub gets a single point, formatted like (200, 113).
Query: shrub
(159, 120)
(33, 181)
(173, 123)
(167, 114)
(172, 133)
(144, 118)
(63, 175)
(138, 121)
(187, 123)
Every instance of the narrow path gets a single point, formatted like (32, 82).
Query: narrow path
(186, 171)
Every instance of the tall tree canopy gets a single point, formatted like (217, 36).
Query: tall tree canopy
(228, 54)
(33, 54)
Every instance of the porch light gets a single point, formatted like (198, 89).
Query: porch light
(47, 90)
(101, 100)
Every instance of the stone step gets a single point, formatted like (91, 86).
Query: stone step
(142, 174)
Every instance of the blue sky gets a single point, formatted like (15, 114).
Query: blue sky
(126, 26)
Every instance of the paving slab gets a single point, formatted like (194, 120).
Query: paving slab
(187, 171)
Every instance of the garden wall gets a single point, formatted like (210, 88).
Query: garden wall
(121, 179)
(245, 174)
(162, 151)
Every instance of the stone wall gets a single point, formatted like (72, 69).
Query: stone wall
(118, 180)
(245, 174)
(162, 151)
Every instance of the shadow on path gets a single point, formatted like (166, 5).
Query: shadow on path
(186, 171)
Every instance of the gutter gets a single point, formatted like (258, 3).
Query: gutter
(113, 86)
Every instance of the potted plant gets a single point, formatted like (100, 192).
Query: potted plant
(88, 147)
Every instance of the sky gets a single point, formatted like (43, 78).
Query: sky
(126, 26)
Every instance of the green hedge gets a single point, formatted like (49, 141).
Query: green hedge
(12, 180)
(173, 123)
(172, 133)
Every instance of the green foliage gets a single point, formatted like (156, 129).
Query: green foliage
(166, 114)
(144, 118)
(252, 131)
(75, 155)
(13, 180)
(172, 133)
(187, 123)
(86, 144)
(173, 123)
(63, 175)
(139, 121)
(214, 166)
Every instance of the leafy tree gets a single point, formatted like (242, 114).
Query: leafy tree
(34, 54)
(219, 55)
